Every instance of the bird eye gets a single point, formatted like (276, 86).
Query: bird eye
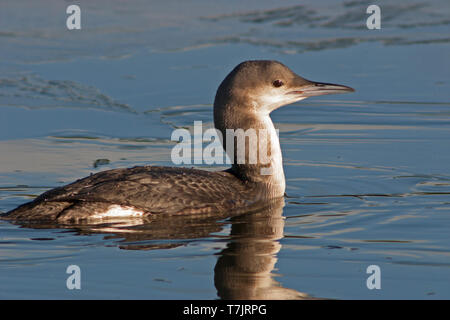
(277, 83)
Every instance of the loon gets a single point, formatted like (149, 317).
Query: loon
(244, 100)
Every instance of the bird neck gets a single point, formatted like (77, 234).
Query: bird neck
(252, 144)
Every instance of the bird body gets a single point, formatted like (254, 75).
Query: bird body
(244, 100)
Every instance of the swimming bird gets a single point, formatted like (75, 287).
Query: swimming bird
(244, 100)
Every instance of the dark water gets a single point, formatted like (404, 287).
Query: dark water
(368, 174)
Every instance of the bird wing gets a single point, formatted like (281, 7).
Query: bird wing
(150, 189)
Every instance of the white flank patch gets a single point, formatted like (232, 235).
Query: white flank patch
(116, 211)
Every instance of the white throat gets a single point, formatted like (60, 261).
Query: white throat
(275, 172)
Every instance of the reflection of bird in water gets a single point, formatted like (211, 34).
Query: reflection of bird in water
(244, 269)
(244, 101)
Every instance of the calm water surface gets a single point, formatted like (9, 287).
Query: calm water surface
(368, 174)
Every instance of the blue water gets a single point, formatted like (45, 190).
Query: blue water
(368, 175)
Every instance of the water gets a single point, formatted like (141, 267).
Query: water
(368, 176)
